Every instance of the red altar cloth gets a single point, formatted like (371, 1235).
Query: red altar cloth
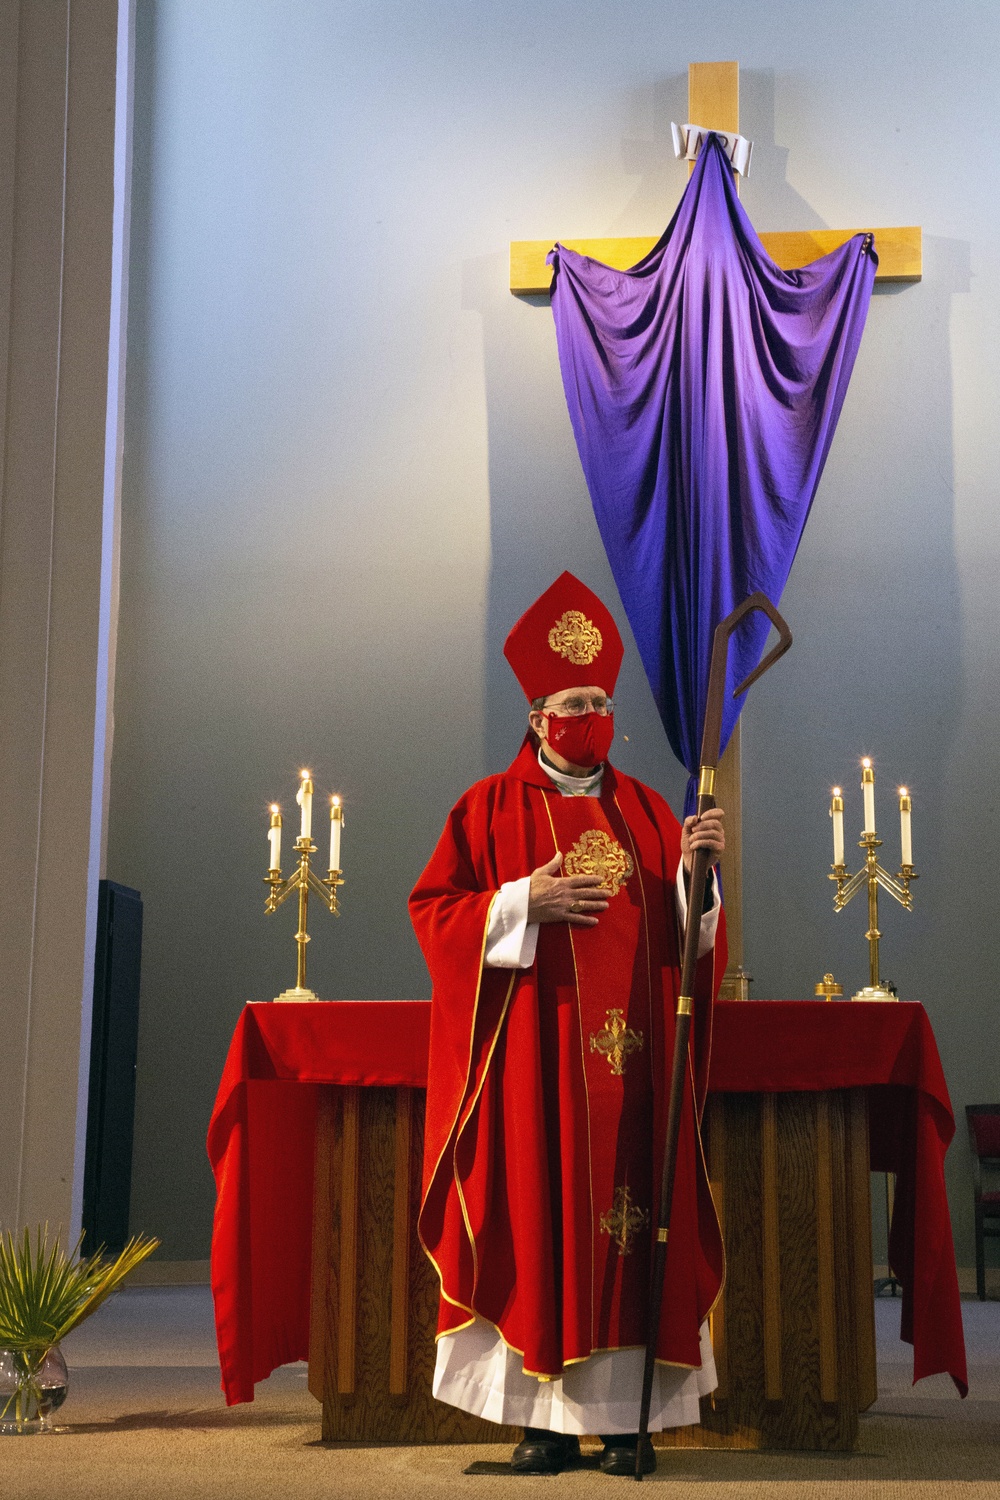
(260, 1144)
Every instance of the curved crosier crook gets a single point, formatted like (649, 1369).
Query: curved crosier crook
(758, 603)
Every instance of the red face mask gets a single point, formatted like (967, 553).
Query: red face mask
(583, 740)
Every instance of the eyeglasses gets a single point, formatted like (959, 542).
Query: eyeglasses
(572, 708)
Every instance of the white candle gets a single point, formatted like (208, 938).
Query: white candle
(336, 824)
(837, 814)
(905, 838)
(868, 788)
(274, 835)
(304, 797)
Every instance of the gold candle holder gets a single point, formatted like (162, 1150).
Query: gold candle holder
(871, 876)
(301, 882)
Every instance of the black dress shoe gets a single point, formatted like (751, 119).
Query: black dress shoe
(542, 1452)
(619, 1454)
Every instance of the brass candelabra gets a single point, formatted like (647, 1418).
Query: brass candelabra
(871, 875)
(304, 879)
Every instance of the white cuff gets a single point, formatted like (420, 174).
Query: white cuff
(710, 918)
(510, 938)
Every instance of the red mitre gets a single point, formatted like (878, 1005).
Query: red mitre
(566, 639)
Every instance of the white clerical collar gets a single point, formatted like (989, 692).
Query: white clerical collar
(573, 786)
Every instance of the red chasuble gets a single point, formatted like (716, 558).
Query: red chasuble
(546, 1086)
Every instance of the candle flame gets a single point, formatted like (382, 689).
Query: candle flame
(866, 763)
(903, 792)
(837, 792)
(275, 807)
(334, 801)
(306, 775)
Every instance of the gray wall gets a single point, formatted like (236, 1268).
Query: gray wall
(349, 468)
(63, 187)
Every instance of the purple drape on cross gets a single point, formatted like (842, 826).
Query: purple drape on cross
(704, 386)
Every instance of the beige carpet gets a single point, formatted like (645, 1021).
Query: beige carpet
(145, 1418)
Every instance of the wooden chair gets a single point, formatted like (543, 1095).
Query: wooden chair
(984, 1139)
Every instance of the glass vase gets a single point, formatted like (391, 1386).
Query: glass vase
(33, 1385)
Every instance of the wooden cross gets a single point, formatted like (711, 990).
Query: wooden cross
(714, 101)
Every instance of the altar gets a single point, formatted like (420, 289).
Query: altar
(315, 1142)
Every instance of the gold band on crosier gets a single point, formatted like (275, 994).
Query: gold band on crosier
(685, 1005)
(661, 1236)
(706, 782)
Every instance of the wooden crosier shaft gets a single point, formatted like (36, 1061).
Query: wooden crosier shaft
(710, 746)
(682, 1028)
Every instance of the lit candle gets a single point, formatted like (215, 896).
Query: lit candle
(905, 808)
(304, 797)
(837, 814)
(868, 788)
(274, 835)
(336, 824)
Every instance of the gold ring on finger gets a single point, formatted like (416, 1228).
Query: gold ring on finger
(577, 906)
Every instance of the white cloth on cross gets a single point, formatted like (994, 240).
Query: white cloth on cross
(689, 139)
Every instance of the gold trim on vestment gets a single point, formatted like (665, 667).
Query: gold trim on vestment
(583, 1072)
(577, 1359)
(454, 1124)
(645, 928)
(468, 1116)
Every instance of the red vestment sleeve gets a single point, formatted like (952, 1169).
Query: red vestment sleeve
(450, 910)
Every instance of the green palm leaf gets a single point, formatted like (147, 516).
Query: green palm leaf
(45, 1293)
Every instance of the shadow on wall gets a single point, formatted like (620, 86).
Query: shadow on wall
(542, 521)
(541, 518)
(766, 194)
(873, 599)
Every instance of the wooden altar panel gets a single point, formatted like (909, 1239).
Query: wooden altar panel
(375, 1293)
(793, 1332)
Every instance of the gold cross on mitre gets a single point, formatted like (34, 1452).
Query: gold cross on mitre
(714, 104)
(624, 1220)
(616, 1041)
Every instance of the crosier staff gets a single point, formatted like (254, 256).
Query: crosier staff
(710, 740)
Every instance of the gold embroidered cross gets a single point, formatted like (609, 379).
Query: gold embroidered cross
(576, 637)
(616, 1041)
(597, 853)
(624, 1220)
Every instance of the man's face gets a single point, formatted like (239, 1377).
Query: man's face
(569, 702)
